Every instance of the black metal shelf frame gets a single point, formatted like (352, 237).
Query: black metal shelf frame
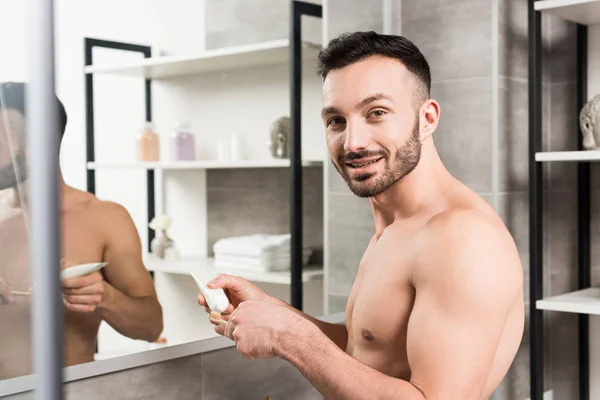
(298, 9)
(89, 45)
(536, 210)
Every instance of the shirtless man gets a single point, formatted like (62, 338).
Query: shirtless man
(122, 294)
(436, 310)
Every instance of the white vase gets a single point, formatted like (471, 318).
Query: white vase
(160, 243)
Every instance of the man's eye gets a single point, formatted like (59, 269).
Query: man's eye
(378, 113)
(335, 121)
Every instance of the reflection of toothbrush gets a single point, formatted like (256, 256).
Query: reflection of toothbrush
(215, 298)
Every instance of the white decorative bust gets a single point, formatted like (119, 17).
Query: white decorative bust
(589, 121)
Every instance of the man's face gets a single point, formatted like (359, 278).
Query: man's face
(12, 149)
(371, 125)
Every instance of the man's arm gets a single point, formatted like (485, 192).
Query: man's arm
(337, 333)
(463, 297)
(130, 304)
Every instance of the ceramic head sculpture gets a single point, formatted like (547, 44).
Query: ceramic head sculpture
(589, 121)
(279, 138)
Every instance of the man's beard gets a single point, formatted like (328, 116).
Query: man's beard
(13, 174)
(406, 159)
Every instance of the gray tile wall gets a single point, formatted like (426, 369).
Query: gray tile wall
(241, 22)
(222, 375)
(350, 220)
(249, 201)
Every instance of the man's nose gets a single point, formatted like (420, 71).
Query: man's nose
(356, 139)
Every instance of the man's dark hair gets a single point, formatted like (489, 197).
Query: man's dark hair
(12, 95)
(350, 48)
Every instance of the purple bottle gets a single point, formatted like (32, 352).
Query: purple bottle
(183, 144)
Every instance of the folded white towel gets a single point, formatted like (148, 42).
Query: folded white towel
(265, 261)
(252, 245)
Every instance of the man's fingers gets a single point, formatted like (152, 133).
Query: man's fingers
(96, 288)
(84, 300)
(81, 281)
(220, 329)
(224, 281)
(83, 308)
(6, 295)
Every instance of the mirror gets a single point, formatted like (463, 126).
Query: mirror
(15, 280)
(156, 185)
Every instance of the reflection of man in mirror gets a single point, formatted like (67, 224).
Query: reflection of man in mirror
(122, 294)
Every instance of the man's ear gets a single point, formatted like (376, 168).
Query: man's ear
(429, 116)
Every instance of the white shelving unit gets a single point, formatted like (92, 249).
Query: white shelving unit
(586, 12)
(583, 155)
(586, 301)
(205, 268)
(218, 60)
(184, 319)
(200, 165)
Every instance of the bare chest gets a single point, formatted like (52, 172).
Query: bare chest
(81, 242)
(378, 312)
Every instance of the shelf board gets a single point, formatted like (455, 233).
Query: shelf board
(583, 155)
(586, 12)
(207, 164)
(238, 57)
(205, 267)
(586, 301)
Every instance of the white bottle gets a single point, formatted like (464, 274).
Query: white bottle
(235, 151)
(215, 298)
(223, 150)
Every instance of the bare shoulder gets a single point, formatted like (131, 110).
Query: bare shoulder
(113, 220)
(472, 249)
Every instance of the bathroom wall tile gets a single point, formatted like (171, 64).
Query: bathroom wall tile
(463, 137)
(354, 15)
(336, 181)
(563, 217)
(595, 175)
(563, 50)
(563, 340)
(562, 227)
(337, 303)
(240, 22)
(515, 384)
(564, 134)
(456, 46)
(513, 135)
(513, 39)
(595, 236)
(514, 211)
(174, 379)
(350, 230)
(228, 375)
(243, 202)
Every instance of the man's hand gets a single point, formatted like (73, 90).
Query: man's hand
(260, 328)
(6, 295)
(84, 293)
(237, 290)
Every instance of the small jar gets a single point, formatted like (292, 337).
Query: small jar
(147, 144)
(183, 144)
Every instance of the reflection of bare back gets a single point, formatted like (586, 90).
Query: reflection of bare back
(89, 229)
